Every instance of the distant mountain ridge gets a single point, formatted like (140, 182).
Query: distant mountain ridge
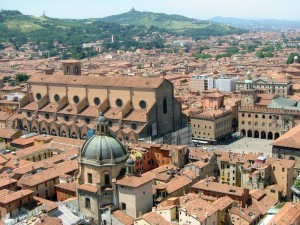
(256, 23)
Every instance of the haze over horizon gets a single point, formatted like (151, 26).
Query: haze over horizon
(198, 9)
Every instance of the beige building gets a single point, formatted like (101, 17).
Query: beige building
(265, 116)
(211, 126)
(198, 212)
(66, 105)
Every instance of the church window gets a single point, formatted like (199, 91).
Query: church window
(38, 96)
(76, 70)
(68, 70)
(133, 126)
(106, 179)
(165, 107)
(97, 101)
(119, 103)
(76, 99)
(143, 104)
(56, 97)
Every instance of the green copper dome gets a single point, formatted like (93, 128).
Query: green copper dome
(102, 148)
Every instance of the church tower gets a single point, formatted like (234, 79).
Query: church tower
(101, 160)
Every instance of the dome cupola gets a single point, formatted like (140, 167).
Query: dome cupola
(102, 148)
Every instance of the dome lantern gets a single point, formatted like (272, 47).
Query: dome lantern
(101, 124)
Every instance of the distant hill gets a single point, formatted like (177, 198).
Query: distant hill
(256, 23)
(173, 23)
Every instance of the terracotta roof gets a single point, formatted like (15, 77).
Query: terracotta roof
(47, 220)
(23, 141)
(4, 115)
(50, 205)
(200, 208)
(155, 218)
(288, 214)
(219, 188)
(136, 82)
(246, 214)
(135, 181)
(49, 174)
(71, 186)
(12, 196)
(289, 139)
(123, 217)
(223, 202)
(178, 182)
(6, 181)
(87, 187)
(7, 133)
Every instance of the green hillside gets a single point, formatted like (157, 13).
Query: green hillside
(174, 23)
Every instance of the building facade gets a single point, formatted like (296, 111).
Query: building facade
(66, 105)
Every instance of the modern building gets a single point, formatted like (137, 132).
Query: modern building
(226, 84)
(200, 83)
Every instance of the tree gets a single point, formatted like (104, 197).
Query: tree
(22, 77)
(6, 78)
(260, 55)
(290, 60)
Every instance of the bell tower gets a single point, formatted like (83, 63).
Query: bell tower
(71, 67)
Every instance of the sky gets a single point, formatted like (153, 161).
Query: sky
(198, 9)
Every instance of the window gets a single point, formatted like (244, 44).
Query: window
(123, 206)
(143, 104)
(249, 123)
(256, 116)
(243, 115)
(90, 178)
(87, 120)
(47, 116)
(97, 101)
(29, 114)
(76, 99)
(165, 107)
(273, 168)
(56, 98)
(249, 115)
(133, 126)
(106, 179)
(67, 118)
(87, 203)
(263, 116)
(38, 96)
(119, 103)
(68, 70)
(282, 169)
